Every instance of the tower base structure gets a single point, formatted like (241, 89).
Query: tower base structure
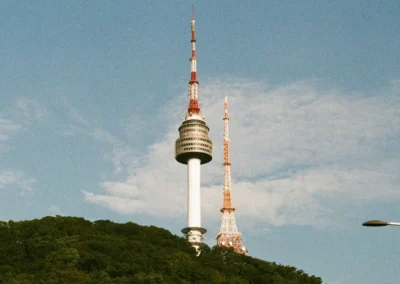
(232, 241)
(195, 236)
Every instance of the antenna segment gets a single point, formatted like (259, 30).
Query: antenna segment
(193, 83)
(228, 235)
(193, 148)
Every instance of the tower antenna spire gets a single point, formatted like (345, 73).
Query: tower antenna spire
(194, 107)
(193, 148)
(228, 235)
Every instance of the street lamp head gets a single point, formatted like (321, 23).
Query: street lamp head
(375, 223)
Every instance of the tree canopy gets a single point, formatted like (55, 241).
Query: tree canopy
(74, 250)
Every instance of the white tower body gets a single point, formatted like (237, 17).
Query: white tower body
(193, 147)
(194, 208)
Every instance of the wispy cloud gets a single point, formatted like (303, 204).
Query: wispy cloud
(7, 128)
(15, 117)
(10, 125)
(18, 180)
(298, 151)
(30, 108)
(75, 122)
(72, 112)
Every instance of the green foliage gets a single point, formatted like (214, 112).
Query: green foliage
(74, 250)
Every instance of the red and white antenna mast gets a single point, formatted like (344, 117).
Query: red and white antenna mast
(228, 235)
(193, 83)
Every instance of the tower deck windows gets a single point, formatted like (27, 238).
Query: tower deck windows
(193, 142)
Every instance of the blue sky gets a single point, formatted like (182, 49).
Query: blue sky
(92, 93)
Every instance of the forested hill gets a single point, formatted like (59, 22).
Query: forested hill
(74, 250)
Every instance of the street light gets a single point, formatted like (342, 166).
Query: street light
(378, 223)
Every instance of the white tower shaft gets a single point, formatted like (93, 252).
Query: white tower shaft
(194, 210)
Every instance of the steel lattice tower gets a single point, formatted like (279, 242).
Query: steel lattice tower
(193, 148)
(228, 235)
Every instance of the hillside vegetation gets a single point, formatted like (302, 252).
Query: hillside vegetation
(74, 250)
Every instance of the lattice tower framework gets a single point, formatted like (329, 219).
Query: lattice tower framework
(228, 235)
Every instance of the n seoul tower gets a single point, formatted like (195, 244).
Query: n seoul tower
(193, 148)
(228, 235)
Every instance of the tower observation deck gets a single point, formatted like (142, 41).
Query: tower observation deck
(193, 148)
